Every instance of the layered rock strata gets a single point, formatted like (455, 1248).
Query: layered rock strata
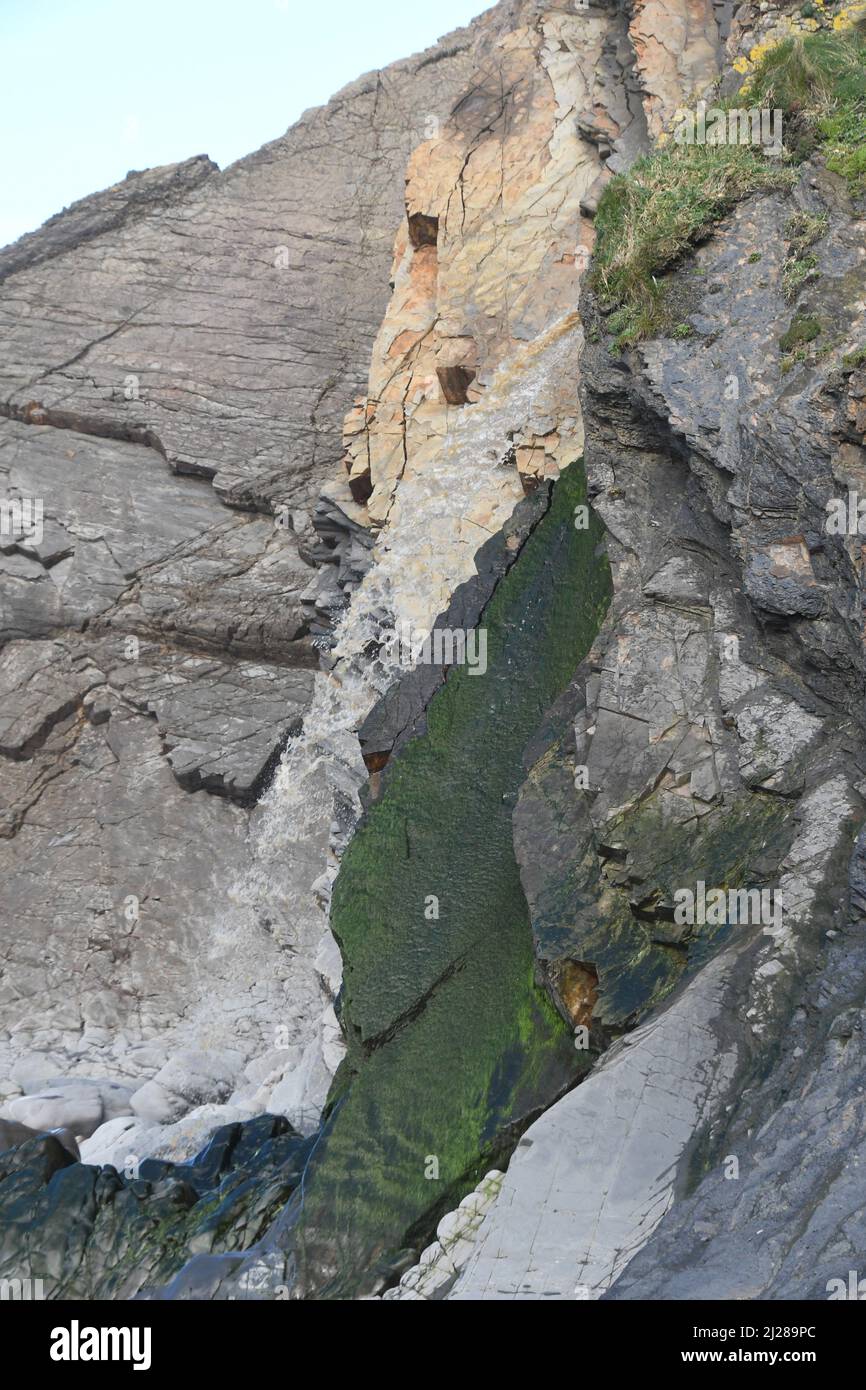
(177, 356)
(712, 733)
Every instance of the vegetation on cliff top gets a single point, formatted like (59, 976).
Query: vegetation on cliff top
(670, 200)
(820, 83)
(650, 216)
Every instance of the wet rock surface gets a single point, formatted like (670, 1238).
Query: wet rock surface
(97, 1232)
(203, 722)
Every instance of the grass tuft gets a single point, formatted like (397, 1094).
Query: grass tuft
(669, 201)
(648, 218)
(804, 329)
(819, 82)
(801, 264)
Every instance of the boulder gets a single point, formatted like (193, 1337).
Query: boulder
(78, 1104)
(188, 1079)
(13, 1134)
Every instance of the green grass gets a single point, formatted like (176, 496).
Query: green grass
(852, 360)
(803, 330)
(793, 345)
(801, 264)
(650, 217)
(819, 82)
(804, 229)
(797, 273)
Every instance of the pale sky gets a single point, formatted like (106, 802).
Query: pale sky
(94, 88)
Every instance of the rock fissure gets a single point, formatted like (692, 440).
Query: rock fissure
(514, 843)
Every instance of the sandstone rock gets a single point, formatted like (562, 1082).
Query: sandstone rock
(678, 49)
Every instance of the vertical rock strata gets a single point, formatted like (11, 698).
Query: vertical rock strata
(457, 1046)
(674, 698)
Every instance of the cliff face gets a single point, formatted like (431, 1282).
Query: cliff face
(178, 354)
(720, 731)
(252, 466)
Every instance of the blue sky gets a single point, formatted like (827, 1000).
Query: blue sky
(94, 88)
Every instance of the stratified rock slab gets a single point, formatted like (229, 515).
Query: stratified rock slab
(593, 1176)
(223, 724)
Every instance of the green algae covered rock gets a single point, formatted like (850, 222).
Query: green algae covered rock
(454, 1045)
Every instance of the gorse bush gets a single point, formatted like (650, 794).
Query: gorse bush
(670, 200)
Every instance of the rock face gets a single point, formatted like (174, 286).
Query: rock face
(178, 353)
(92, 1226)
(791, 1159)
(141, 193)
(711, 687)
(231, 744)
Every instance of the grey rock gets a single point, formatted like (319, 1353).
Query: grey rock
(140, 193)
(223, 724)
(78, 1104)
(592, 1177)
(790, 1220)
(770, 588)
(120, 1142)
(41, 683)
(13, 1135)
(121, 510)
(187, 1080)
